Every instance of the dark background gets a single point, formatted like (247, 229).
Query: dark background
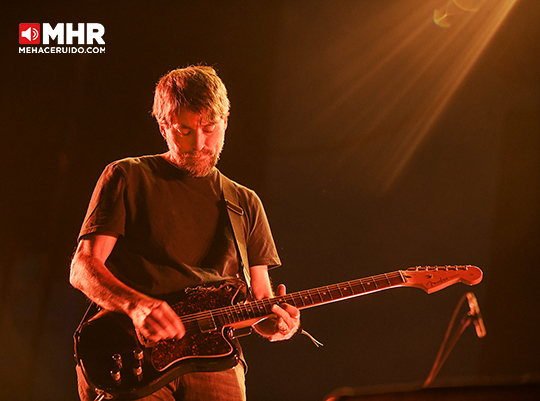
(377, 141)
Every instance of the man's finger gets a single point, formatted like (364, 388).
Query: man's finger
(281, 290)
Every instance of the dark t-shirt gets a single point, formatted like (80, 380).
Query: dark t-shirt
(173, 230)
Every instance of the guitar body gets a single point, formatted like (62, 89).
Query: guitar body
(108, 337)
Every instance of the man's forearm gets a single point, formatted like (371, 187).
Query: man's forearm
(91, 276)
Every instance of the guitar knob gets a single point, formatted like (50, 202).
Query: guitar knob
(137, 371)
(116, 376)
(138, 354)
(117, 358)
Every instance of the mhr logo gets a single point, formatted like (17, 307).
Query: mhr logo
(31, 34)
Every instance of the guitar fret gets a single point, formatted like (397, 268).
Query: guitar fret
(300, 299)
(248, 310)
(335, 291)
(319, 294)
(291, 300)
(244, 312)
(328, 294)
(368, 283)
(356, 286)
(237, 313)
(267, 306)
(234, 314)
(260, 307)
(363, 286)
(226, 318)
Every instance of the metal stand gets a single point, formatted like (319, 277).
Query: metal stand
(449, 342)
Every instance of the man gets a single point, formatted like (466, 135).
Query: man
(158, 224)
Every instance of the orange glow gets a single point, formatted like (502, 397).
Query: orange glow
(454, 9)
(421, 68)
(365, 88)
(459, 52)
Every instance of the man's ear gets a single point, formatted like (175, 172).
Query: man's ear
(162, 130)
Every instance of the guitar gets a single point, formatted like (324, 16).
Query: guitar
(119, 366)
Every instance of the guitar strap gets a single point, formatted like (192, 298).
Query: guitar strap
(236, 213)
(235, 216)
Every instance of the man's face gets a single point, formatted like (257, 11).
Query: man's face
(194, 143)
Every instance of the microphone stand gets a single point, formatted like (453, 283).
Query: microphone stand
(449, 343)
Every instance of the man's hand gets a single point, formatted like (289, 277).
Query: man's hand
(153, 319)
(156, 320)
(285, 325)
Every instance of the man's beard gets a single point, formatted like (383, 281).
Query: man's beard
(198, 163)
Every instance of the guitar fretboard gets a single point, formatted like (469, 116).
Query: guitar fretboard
(429, 278)
(302, 300)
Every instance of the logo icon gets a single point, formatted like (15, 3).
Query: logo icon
(29, 34)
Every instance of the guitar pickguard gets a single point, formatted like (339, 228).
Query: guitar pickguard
(204, 338)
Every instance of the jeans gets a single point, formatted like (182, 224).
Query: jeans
(227, 385)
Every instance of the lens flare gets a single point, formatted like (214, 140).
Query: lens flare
(446, 16)
(379, 86)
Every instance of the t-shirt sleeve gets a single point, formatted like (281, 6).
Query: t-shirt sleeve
(261, 247)
(106, 212)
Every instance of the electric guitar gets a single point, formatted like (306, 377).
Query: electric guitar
(119, 366)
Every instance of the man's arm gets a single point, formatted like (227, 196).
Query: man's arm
(288, 317)
(152, 318)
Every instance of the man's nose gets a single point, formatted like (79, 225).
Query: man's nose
(199, 139)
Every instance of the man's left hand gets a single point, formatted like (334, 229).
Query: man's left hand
(284, 325)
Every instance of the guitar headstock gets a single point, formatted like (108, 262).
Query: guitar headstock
(435, 278)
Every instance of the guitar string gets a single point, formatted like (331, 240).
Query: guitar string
(249, 307)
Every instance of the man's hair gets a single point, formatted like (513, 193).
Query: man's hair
(196, 88)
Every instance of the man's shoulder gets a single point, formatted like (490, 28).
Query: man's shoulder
(138, 163)
(246, 196)
(138, 160)
(241, 189)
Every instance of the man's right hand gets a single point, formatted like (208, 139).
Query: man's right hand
(155, 320)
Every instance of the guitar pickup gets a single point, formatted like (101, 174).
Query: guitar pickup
(207, 324)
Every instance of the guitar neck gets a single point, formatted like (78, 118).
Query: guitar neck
(428, 278)
(308, 298)
(337, 292)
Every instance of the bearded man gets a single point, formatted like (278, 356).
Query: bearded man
(158, 224)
